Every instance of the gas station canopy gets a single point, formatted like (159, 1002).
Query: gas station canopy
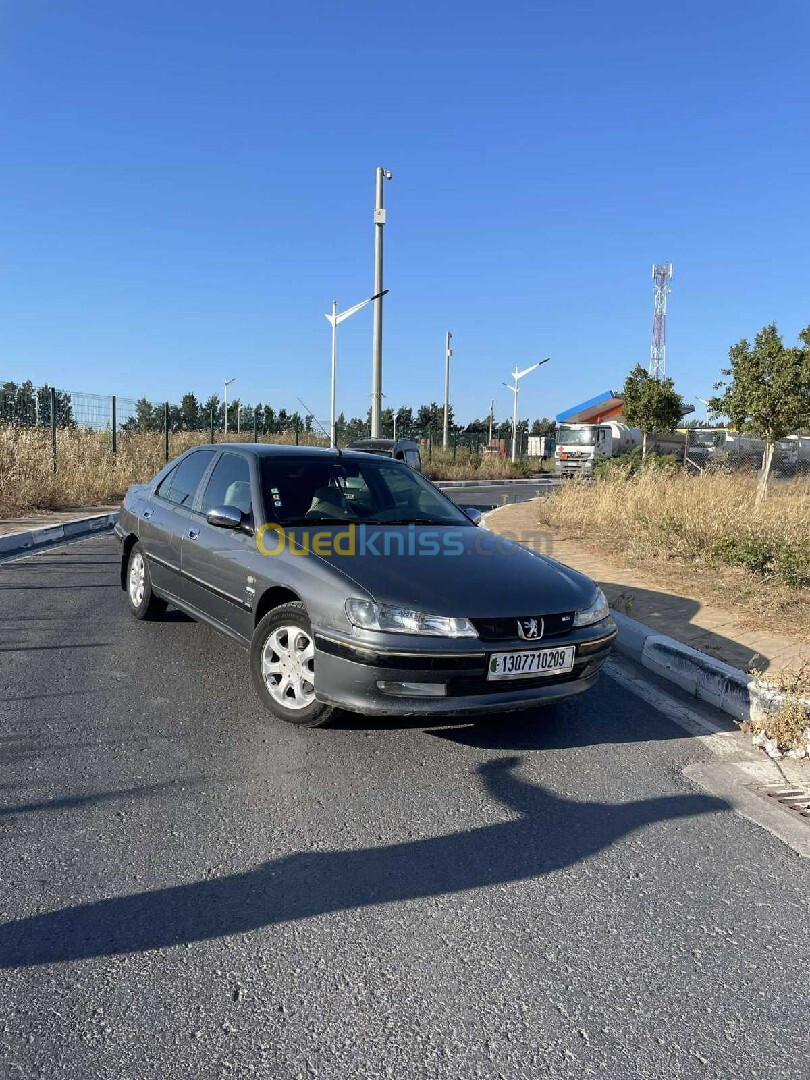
(606, 406)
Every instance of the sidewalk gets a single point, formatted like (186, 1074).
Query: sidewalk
(43, 519)
(686, 618)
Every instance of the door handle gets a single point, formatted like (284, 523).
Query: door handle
(193, 534)
(147, 513)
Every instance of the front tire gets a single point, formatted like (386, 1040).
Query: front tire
(282, 663)
(142, 601)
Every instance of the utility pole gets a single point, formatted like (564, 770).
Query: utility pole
(448, 352)
(227, 384)
(491, 418)
(376, 369)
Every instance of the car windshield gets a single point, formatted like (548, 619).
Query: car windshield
(578, 436)
(300, 490)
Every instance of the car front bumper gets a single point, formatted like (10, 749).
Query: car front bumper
(350, 674)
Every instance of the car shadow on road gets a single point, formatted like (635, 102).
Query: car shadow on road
(546, 833)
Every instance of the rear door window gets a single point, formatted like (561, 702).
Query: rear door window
(181, 485)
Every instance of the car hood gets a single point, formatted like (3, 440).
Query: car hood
(476, 574)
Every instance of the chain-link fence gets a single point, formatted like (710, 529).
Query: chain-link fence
(114, 424)
(721, 450)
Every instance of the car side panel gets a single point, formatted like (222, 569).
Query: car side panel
(159, 534)
(215, 573)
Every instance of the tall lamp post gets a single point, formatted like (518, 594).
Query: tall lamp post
(227, 384)
(517, 376)
(335, 319)
(448, 352)
(379, 292)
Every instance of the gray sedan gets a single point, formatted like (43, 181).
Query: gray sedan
(355, 583)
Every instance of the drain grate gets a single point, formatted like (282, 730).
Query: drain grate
(791, 797)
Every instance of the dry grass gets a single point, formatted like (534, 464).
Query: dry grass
(87, 473)
(488, 467)
(785, 729)
(704, 532)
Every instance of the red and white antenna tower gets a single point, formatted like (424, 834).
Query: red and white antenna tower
(662, 275)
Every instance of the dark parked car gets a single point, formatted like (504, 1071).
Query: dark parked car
(399, 449)
(355, 583)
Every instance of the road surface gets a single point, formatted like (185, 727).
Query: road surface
(496, 494)
(190, 890)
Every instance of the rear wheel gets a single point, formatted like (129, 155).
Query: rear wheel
(142, 601)
(282, 662)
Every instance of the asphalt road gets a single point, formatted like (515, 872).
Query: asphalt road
(492, 495)
(189, 890)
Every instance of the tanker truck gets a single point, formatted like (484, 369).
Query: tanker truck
(580, 447)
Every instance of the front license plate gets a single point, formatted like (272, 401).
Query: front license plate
(517, 665)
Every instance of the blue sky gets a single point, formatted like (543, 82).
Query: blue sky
(186, 186)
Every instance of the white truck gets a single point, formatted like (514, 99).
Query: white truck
(541, 446)
(580, 447)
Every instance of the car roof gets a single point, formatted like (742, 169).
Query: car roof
(383, 444)
(282, 449)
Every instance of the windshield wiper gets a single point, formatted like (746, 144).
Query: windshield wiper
(318, 521)
(402, 521)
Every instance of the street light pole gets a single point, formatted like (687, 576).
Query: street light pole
(335, 319)
(517, 376)
(376, 369)
(491, 418)
(227, 384)
(448, 352)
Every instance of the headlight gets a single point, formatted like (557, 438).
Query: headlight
(396, 620)
(598, 610)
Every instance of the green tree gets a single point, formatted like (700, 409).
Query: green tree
(404, 422)
(147, 415)
(651, 404)
(191, 417)
(544, 426)
(209, 406)
(768, 391)
(356, 428)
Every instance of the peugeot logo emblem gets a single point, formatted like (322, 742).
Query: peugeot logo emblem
(530, 629)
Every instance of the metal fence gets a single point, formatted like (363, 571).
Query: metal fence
(112, 424)
(109, 424)
(722, 450)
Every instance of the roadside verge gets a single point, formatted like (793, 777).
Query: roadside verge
(685, 659)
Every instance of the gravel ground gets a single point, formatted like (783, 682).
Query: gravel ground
(188, 889)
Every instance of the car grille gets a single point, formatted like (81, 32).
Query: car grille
(506, 629)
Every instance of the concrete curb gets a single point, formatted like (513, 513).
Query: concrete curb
(727, 688)
(21, 543)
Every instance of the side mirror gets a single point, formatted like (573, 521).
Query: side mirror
(225, 517)
(474, 514)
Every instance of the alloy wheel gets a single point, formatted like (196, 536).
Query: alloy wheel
(288, 667)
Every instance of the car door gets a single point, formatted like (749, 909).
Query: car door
(213, 559)
(162, 519)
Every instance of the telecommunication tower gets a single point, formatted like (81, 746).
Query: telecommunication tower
(662, 275)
